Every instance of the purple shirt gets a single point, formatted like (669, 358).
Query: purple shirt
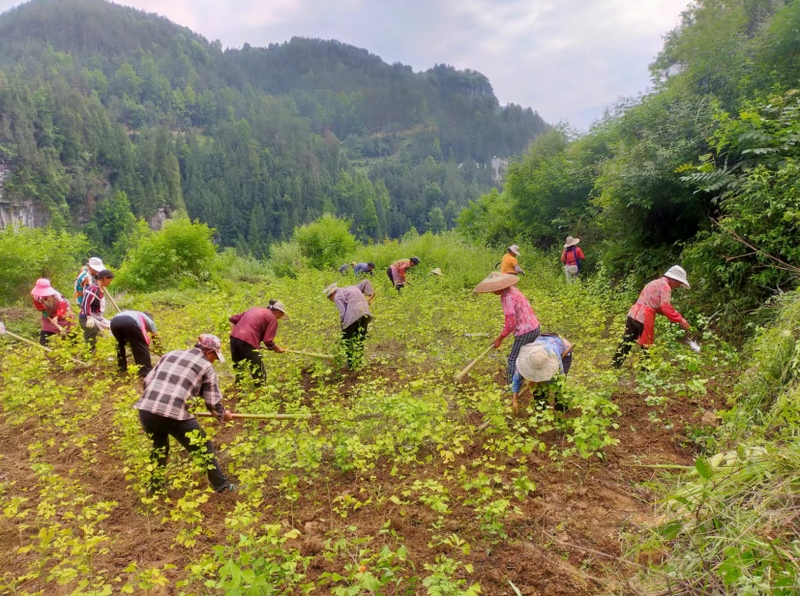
(352, 303)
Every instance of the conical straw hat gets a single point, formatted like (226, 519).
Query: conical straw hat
(496, 281)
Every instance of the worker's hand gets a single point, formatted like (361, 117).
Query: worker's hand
(497, 343)
(514, 404)
(278, 350)
(228, 416)
(684, 324)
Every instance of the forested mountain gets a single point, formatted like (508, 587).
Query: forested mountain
(108, 113)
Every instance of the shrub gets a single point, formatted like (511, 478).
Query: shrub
(326, 241)
(181, 252)
(28, 254)
(286, 258)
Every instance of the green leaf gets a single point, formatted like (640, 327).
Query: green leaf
(704, 468)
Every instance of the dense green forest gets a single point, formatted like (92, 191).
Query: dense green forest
(108, 114)
(703, 169)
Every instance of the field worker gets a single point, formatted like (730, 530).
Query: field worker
(164, 408)
(86, 277)
(93, 306)
(354, 315)
(509, 263)
(137, 329)
(571, 257)
(437, 272)
(344, 268)
(397, 271)
(248, 330)
(654, 298)
(519, 316)
(538, 363)
(361, 269)
(57, 315)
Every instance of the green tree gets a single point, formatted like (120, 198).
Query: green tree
(436, 221)
(326, 241)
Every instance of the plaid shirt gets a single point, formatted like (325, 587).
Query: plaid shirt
(179, 376)
(519, 313)
(656, 296)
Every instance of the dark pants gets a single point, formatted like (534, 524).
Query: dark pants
(353, 338)
(246, 358)
(44, 336)
(126, 330)
(633, 331)
(391, 277)
(519, 341)
(89, 334)
(160, 428)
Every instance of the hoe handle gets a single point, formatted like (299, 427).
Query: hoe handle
(260, 416)
(312, 354)
(472, 364)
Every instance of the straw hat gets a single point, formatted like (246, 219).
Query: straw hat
(330, 289)
(437, 271)
(571, 241)
(536, 363)
(678, 273)
(514, 248)
(96, 263)
(43, 289)
(278, 305)
(211, 342)
(496, 281)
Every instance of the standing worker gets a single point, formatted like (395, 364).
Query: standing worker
(164, 408)
(509, 263)
(538, 363)
(57, 315)
(519, 316)
(248, 330)
(93, 305)
(397, 271)
(138, 329)
(354, 315)
(572, 256)
(654, 298)
(86, 277)
(361, 269)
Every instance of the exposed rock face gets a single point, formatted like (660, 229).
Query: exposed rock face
(18, 213)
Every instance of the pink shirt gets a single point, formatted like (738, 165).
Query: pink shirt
(656, 296)
(519, 315)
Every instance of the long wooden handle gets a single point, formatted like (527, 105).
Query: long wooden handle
(470, 366)
(260, 416)
(110, 297)
(45, 348)
(312, 354)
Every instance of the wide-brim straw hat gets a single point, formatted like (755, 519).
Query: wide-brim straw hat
(43, 289)
(278, 305)
(536, 363)
(330, 289)
(496, 281)
(437, 271)
(571, 242)
(678, 273)
(514, 248)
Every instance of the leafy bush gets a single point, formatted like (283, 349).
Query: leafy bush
(180, 252)
(326, 241)
(287, 259)
(234, 267)
(28, 254)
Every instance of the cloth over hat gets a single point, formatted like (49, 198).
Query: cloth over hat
(42, 289)
(96, 263)
(571, 241)
(278, 305)
(211, 342)
(678, 273)
(496, 281)
(330, 289)
(437, 271)
(536, 363)
(514, 248)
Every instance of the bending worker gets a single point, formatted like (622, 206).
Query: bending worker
(248, 330)
(519, 316)
(361, 269)
(57, 315)
(538, 364)
(354, 315)
(164, 406)
(137, 329)
(654, 298)
(509, 263)
(397, 271)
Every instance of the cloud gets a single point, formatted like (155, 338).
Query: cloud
(567, 59)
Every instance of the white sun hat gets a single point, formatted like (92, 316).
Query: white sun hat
(514, 248)
(678, 273)
(278, 305)
(536, 363)
(96, 263)
(331, 289)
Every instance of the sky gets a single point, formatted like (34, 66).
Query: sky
(566, 59)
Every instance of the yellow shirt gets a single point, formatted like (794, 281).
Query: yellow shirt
(508, 263)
